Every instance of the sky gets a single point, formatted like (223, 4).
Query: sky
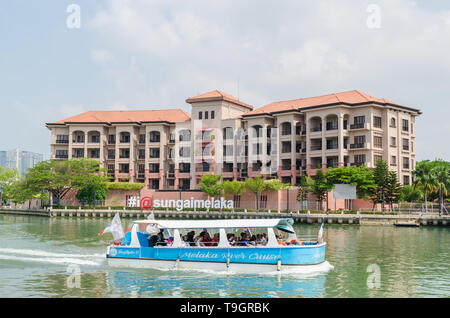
(141, 54)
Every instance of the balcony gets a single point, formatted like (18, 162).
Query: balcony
(332, 126)
(171, 174)
(357, 126)
(244, 173)
(316, 129)
(315, 148)
(62, 141)
(358, 146)
(357, 164)
(62, 156)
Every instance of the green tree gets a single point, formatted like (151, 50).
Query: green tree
(319, 187)
(8, 177)
(381, 178)
(210, 185)
(59, 177)
(94, 188)
(409, 194)
(361, 177)
(393, 189)
(256, 185)
(302, 189)
(424, 179)
(234, 188)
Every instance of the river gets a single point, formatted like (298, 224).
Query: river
(40, 257)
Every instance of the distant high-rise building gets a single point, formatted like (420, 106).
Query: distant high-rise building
(3, 159)
(19, 160)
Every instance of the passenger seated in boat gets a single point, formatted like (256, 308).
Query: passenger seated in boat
(161, 239)
(231, 239)
(190, 238)
(259, 240)
(215, 239)
(247, 241)
(205, 239)
(153, 241)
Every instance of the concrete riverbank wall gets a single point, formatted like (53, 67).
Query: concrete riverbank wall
(359, 218)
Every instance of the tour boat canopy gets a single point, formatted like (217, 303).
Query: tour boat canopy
(281, 224)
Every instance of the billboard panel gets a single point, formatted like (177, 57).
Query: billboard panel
(344, 191)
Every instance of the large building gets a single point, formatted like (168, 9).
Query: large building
(171, 149)
(19, 160)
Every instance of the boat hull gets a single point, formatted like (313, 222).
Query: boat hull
(216, 267)
(246, 259)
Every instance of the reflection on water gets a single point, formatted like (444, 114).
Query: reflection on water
(35, 254)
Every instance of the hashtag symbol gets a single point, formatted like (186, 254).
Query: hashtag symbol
(132, 202)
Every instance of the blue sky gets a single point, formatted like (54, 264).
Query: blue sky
(139, 54)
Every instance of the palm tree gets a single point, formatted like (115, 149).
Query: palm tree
(424, 179)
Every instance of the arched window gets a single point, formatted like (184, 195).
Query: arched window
(393, 122)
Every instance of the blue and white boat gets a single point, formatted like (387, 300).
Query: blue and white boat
(138, 250)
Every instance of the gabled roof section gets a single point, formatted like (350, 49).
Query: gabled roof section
(354, 97)
(127, 116)
(217, 96)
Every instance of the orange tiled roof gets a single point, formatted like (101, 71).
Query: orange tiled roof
(217, 95)
(125, 116)
(350, 97)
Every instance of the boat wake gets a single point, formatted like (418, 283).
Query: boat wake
(27, 255)
(299, 271)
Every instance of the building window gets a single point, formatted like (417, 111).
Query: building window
(228, 150)
(154, 152)
(154, 184)
(405, 180)
(286, 147)
(393, 160)
(206, 115)
(154, 167)
(405, 163)
(141, 153)
(213, 114)
(378, 142)
(393, 124)
(142, 139)
(200, 115)
(185, 152)
(62, 139)
(412, 130)
(124, 168)
(377, 122)
(359, 120)
(111, 154)
(405, 125)
(393, 142)
(360, 159)
(111, 139)
(412, 146)
(237, 201)
(62, 154)
(111, 169)
(412, 164)
(405, 144)
(263, 202)
(376, 158)
(124, 153)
